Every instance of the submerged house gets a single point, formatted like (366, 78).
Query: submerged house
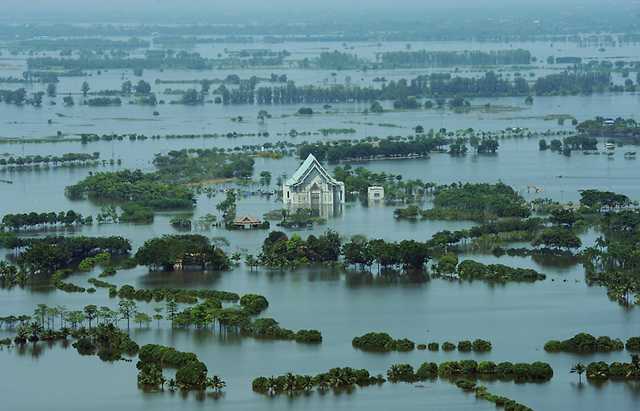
(312, 184)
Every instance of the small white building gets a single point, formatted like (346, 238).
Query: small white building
(375, 193)
(312, 184)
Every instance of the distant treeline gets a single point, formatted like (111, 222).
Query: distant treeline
(191, 63)
(77, 44)
(37, 159)
(424, 58)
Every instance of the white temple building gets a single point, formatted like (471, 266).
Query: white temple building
(311, 184)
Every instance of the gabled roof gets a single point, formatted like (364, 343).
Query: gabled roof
(306, 168)
(247, 219)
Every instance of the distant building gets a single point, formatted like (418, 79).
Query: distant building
(311, 184)
(608, 122)
(375, 193)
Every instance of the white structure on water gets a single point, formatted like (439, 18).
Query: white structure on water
(311, 184)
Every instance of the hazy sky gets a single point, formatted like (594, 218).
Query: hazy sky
(142, 10)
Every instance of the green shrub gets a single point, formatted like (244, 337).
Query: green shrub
(109, 354)
(541, 370)
(84, 344)
(465, 384)
(618, 369)
(433, 346)
(447, 346)
(552, 345)
(421, 346)
(464, 345)
(521, 370)
(373, 340)
(260, 384)
(597, 370)
(449, 368)
(469, 366)
(481, 345)
(308, 336)
(426, 370)
(633, 343)
(192, 375)
(504, 369)
(404, 345)
(487, 367)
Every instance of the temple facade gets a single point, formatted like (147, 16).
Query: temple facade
(311, 184)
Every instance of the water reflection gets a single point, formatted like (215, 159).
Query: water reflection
(384, 278)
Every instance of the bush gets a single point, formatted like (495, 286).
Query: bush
(427, 369)
(84, 344)
(109, 354)
(308, 336)
(193, 374)
(374, 340)
(404, 345)
(464, 345)
(597, 370)
(521, 370)
(618, 369)
(422, 346)
(541, 370)
(633, 343)
(469, 366)
(447, 346)
(504, 369)
(465, 384)
(449, 368)
(260, 384)
(433, 346)
(487, 367)
(481, 345)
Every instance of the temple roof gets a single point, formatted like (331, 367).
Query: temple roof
(309, 165)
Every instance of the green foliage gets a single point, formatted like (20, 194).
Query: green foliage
(253, 304)
(426, 370)
(580, 342)
(434, 346)
(633, 343)
(134, 186)
(557, 237)
(308, 336)
(464, 345)
(382, 341)
(481, 345)
(448, 346)
(401, 372)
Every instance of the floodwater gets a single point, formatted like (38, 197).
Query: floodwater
(518, 318)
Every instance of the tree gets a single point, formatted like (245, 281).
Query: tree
(528, 100)
(265, 178)
(90, 312)
(578, 368)
(68, 101)
(141, 318)
(634, 367)
(142, 87)
(51, 90)
(262, 114)
(85, 88)
(36, 98)
(172, 310)
(158, 314)
(127, 309)
(127, 87)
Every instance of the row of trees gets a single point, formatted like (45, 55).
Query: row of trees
(38, 159)
(425, 58)
(183, 249)
(280, 251)
(33, 219)
(587, 342)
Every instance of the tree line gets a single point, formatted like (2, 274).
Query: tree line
(32, 219)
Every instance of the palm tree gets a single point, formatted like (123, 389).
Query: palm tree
(307, 382)
(578, 368)
(215, 383)
(271, 384)
(634, 367)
